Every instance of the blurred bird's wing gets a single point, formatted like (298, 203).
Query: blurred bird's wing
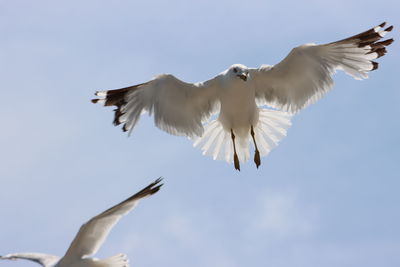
(178, 107)
(305, 75)
(93, 233)
(43, 259)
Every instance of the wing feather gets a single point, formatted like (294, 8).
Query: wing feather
(178, 107)
(305, 75)
(45, 260)
(93, 233)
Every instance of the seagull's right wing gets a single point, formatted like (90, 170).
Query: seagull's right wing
(305, 75)
(179, 108)
(43, 259)
(93, 233)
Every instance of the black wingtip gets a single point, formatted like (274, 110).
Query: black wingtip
(386, 42)
(157, 185)
(374, 65)
(388, 29)
(380, 51)
(156, 182)
(149, 190)
(382, 24)
(154, 187)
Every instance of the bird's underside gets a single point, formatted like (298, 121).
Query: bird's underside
(300, 79)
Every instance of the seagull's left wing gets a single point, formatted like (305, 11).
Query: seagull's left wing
(306, 73)
(43, 259)
(93, 233)
(178, 107)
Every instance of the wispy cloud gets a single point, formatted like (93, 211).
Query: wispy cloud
(282, 214)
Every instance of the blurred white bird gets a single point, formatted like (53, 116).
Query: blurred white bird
(90, 237)
(240, 95)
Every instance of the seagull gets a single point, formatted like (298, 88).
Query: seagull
(90, 237)
(255, 105)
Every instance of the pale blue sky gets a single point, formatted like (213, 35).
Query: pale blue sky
(328, 195)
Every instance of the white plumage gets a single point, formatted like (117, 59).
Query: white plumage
(240, 95)
(90, 237)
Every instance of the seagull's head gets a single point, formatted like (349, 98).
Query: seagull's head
(239, 71)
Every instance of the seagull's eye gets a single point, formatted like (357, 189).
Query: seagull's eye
(234, 70)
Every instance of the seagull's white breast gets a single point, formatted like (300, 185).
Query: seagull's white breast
(238, 107)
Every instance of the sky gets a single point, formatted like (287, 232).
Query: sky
(326, 196)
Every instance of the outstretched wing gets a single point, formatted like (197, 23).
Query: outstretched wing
(43, 259)
(305, 75)
(179, 108)
(93, 233)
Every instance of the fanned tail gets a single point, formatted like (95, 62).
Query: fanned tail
(214, 141)
(217, 142)
(271, 128)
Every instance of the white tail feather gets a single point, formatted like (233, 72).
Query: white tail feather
(270, 129)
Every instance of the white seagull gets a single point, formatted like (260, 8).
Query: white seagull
(241, 94)
(90, 237)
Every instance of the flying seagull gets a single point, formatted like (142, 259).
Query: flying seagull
(90, 237)
(241, 96)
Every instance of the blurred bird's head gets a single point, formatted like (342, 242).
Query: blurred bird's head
(239, 71)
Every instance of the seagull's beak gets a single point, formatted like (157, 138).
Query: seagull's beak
(243, 76)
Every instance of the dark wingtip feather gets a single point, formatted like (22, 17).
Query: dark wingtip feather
(374, 65)
(116, 97)
(151, 189)
(369, 37)
(388, 29)
(381, 52)
(388, 42)
(156, 185)
(118, 113)
(384, 43)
